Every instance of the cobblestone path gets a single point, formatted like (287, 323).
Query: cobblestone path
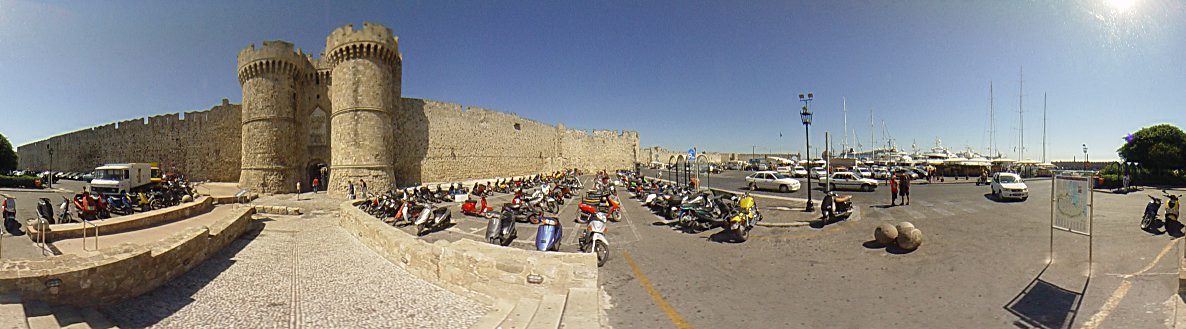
(297, 273)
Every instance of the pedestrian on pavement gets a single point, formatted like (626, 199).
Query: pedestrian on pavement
(316, 183)
(350, 190)
(904, 188)
(363, 183)
(893, 183)
(298, 192)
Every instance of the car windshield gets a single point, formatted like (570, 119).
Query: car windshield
(1007, 179)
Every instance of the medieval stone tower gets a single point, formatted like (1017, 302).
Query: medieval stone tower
(286, 94)
(364, 91)
(271, 76)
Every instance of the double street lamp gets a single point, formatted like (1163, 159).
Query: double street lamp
(805, 114)
(1086, 160)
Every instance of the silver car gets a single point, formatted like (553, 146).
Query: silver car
(772, 180)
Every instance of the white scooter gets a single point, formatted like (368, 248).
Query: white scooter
(594, 239)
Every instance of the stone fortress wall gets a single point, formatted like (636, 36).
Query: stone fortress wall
(197, 143)
(437, 142)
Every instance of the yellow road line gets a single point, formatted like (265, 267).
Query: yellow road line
(1122, 290)
(676, 319)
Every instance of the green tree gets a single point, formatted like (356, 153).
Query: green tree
(7, 155)
(1158, 148)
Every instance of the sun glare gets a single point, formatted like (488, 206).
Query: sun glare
(1120, 5)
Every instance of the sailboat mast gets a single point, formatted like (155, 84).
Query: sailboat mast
(1021, 114)
(1043, 127)
(872, 137)
(844, 102)
(992, 122)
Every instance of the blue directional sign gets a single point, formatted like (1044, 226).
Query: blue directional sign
(692, 154)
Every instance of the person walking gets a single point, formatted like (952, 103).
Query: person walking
(350, 190)
(904, 188)
(316, 183)
(298, 191)
(363, 183)
(893, 183)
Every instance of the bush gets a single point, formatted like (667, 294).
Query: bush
(19, 181)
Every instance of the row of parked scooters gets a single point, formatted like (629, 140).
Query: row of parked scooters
(534, 198)
(696, 209)
(91, 207)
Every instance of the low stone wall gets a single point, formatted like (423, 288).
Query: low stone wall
(117, 274)
(478, 270)
(128, 223)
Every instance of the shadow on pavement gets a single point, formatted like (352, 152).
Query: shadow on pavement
(172, 296)
(893, 249)
(1045, 305)
(724, 236)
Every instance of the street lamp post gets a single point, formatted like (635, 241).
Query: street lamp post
(1086, 159)
(805, 114)
(50, 150)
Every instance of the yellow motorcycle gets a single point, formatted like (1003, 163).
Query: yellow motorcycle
(744, 217)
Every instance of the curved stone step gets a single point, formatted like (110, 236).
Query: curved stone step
(493, 318)
(551, 308)
(521, 315)
(581, 309)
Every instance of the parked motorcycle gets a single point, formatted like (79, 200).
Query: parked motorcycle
(1150, 217)
(593, 240)
(742, 219)
(835, 206)
(548, 234)
(64, 214)
(701, 212)
(1171, 207)
(433, 220)
(500, 230)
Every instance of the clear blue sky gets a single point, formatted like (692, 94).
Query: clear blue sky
(717, 75)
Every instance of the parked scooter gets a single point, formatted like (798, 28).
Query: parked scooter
(120, 204)
(1150, 217)
(500, 230)
(1171, 207)
(593, 240)
(64, 211)
(548, 234)
(432, 220)
(473, 208)
(8, 204)
(835, 206)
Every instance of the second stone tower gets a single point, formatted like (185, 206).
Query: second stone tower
(366, 73)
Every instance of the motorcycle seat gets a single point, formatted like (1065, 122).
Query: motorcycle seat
(843, 198)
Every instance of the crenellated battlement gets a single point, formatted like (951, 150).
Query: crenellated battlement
(371, 41)
(274, 56)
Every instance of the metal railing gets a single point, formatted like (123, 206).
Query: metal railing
(41, 225)
(84, 229)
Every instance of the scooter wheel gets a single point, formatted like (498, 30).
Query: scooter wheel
(602, 251)
(742, 234)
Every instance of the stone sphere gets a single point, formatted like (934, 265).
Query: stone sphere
(910, 240)
(885, 234)
(904, 227)
(187, 198)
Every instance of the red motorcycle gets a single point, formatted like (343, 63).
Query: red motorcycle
(471, 207)
(607, 204)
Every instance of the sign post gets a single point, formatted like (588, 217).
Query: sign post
(1071, 208)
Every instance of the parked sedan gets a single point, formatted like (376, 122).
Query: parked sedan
(848, 180)
(1009, 186)
(799, 171)
(772, 180)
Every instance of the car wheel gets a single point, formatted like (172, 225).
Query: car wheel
(783, 188)
(867, 188)
(753, 187)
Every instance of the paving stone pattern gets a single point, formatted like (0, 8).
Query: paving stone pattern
(297, 272)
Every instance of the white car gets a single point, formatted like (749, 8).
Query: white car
(819, 172)
(799, 171)
(1009, 186)
(864, 172)
(783, 170)
(880, 173)
(772, 180)
(849, 180)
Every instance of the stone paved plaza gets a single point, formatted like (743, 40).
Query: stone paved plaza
(297, 272)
